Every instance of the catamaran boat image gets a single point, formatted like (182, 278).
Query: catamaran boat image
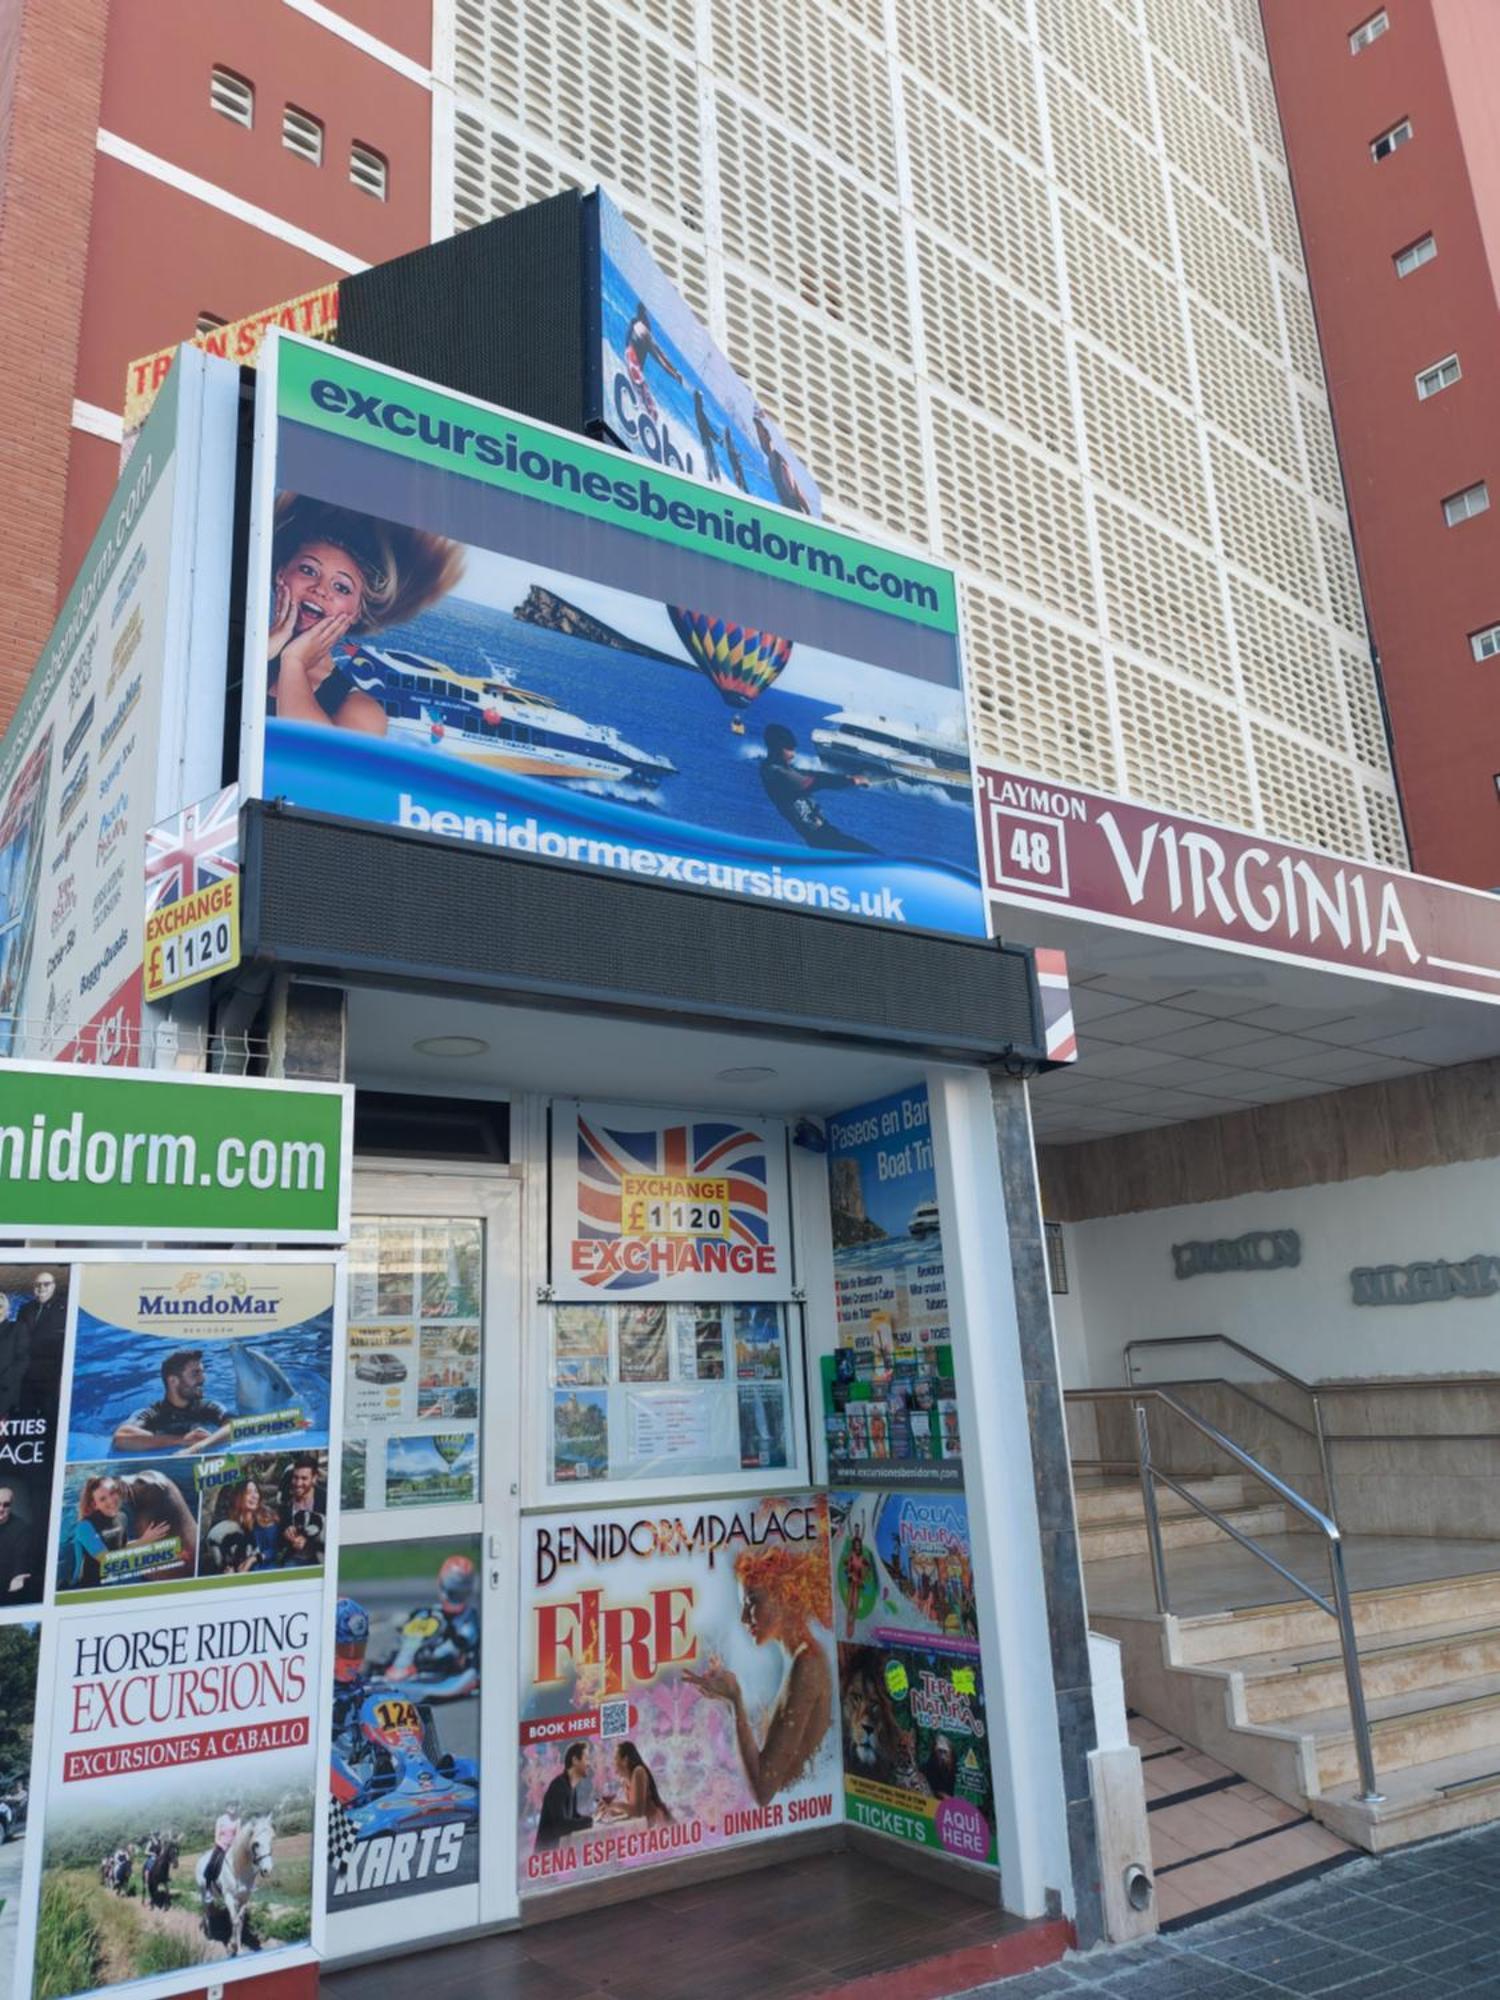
(882, 748)
(487, 719)
(925, 1220)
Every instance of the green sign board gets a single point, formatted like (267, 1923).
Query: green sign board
(100, 1155)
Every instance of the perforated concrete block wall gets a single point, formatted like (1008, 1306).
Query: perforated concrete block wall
(1023, 282)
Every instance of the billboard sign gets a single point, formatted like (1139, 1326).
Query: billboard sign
(1070, 852)
(121, 721)
(471, 626)
(666, 392)
(315, 313)
(89, 1157)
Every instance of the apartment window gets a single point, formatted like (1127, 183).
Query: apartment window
(1415, 255)
(369, 170)
(1442, 375)
(302, 134)
(1485, 645)
(1387, 143)
(207, 322)
(232, 96)
(1369, 31)
(1463, 506)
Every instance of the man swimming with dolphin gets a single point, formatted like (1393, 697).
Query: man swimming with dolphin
(183, 1419)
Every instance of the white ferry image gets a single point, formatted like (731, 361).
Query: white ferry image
(881, 748)
(487, 719)
(925, 1220)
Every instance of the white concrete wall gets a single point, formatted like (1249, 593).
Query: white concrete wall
(1123, 1287)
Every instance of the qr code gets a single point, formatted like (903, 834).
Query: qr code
(614, 1719)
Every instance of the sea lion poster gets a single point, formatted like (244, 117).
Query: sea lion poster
(678, 1684)
(197, 1448)
(182, 1765)
(33, 1331)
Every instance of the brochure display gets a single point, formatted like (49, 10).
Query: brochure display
(412, 1380)
(890, 1403)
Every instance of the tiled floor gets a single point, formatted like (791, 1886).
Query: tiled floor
(1215, 1838)
(1423, 1924)
(797, 1928)
(1218, 1576)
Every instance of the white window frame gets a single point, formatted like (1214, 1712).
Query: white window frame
(1415, 255)
(364, 160)
(1369, 31)
(1391, 140)
(1440, 376)
(232, 95)
(1464, 505)
(302, 134)
(1485, 644)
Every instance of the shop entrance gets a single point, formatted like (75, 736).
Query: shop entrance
(428, 1556)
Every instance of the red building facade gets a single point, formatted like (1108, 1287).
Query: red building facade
(1395, 158)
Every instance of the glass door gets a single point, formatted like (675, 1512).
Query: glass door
(422, 1837)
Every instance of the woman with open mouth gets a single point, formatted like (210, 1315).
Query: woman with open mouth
(337, 574)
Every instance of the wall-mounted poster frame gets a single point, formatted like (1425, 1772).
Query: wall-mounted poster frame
(280, 1622)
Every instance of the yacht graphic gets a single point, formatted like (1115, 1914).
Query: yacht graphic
(882, 748)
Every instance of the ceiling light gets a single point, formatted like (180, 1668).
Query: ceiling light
(451, 1045)
(751, 1073)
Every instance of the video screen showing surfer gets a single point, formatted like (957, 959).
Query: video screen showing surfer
(790, 789)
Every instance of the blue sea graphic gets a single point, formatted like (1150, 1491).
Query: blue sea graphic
(713, 806)
(117, 1372)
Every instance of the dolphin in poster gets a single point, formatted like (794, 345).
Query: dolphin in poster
(261, 1385)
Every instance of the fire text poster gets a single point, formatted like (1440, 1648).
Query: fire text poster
(180, 1788)
(678, 1684)
(915, 1738)
(890, 1405)
(33, 1330)
(404, 1772)
(197, 1449)
(664, 1205)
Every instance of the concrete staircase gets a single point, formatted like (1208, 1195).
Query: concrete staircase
(1262, 1689)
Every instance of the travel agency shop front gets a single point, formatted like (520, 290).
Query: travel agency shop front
(695, 1490)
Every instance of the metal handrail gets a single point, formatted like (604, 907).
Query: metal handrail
(1318, 1433)
(1338, 1606)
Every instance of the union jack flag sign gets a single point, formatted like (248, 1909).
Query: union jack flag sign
(193, 850)
(668, 1205)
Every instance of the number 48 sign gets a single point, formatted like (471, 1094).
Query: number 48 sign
(193, 895)
(1027, 850)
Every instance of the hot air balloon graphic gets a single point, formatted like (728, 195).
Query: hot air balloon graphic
(740, 662)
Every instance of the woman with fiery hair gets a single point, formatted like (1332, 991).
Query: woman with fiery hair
(783, 1592)
(337, 573)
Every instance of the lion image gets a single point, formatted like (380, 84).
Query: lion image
(875, 1744)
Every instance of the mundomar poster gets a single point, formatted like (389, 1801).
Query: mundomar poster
(678, 1684)
(472, 626)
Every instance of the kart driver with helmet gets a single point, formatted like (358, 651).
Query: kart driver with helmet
(457, 1588)
(350, 1682)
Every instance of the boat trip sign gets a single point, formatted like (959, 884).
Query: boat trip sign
(1053, 847)
(466, 625)
(86, 1155)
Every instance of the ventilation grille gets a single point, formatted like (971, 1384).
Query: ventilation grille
(369, 170)
(1023, 282)
(232, 96)
(302, 134)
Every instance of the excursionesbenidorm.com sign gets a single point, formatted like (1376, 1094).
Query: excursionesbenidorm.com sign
(86, 1155)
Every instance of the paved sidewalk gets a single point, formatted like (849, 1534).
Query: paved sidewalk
(1420, 1925)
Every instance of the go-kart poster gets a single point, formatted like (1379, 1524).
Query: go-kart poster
(915, 1736)
(666, 391)
(405, 1758)
(469, 626)
(181, 1776)
(678, 1684)
(890, 1405)
(650, 1205)
(197, 1449)
(33, 1333)
(18, 1674)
